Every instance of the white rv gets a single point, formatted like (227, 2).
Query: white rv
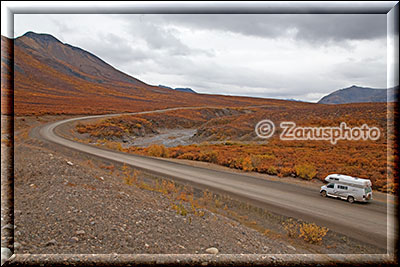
(347, 187)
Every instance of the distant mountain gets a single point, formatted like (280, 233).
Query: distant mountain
(165, 87)
(356, 94)
(52, 77)
(187, 90)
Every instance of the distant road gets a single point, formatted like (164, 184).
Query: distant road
(364, 222)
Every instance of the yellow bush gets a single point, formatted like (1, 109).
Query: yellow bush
(285, 171)
(130, 179)
(272, 170)
(157, 150)
(247, 164)
(312, 233)
(180, 209)
(291, 228)
(209, 156)
(305, 171)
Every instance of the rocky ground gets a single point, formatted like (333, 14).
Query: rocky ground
(63, 205)
(68, 203)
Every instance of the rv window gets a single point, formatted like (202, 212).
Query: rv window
(342, 187)
(331, 185)
(367, 190)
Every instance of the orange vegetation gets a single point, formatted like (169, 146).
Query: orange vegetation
(229, 140)
(54, 78)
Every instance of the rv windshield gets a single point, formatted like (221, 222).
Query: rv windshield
(367, 190)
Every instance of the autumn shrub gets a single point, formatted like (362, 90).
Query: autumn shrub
(305, 171)
(209, 156)
(247, 164)
(189, 156)
(312, 233)
(285, 172)
(272, 170)
(291, 227)
(131, 179)
(305, 159)
(177, 153)
(157, 150)
(180, 209)
(256, 161)
(113, 145)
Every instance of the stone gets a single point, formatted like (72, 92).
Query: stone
(80, 232)
(212, 250)
(74, 239)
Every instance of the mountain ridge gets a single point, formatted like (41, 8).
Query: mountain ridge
(51, 77)
(187, 89)
(358, 94)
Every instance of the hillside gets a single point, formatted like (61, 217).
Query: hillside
(356, 94)
(51, 77)
(227, 137)
(188, 90)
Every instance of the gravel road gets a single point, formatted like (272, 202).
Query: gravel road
(67, 203)
(358, 221)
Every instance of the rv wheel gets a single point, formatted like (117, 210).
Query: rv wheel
(350, 199)
(323, 193)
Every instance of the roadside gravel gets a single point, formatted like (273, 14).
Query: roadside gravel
(69, 208)
(65, 203)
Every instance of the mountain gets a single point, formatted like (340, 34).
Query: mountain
(356, 94)
(187, 90)
(52, 77)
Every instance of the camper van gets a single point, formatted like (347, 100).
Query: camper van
(347, 187)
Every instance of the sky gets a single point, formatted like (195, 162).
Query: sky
(287, 56)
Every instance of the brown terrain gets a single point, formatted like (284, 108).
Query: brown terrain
(67, 202)
(226, 137)
(55, 78)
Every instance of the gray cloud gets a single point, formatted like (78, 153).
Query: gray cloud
(283, 56)
(367, 71)
(118, 50)
(310, 27)
(158, 37)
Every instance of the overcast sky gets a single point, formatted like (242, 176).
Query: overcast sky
(272, 55)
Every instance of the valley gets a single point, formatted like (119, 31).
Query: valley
(101, 162)
(226, 137)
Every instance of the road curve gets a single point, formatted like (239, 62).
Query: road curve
(364, 222)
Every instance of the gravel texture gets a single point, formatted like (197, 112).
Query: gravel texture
(67, 203)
